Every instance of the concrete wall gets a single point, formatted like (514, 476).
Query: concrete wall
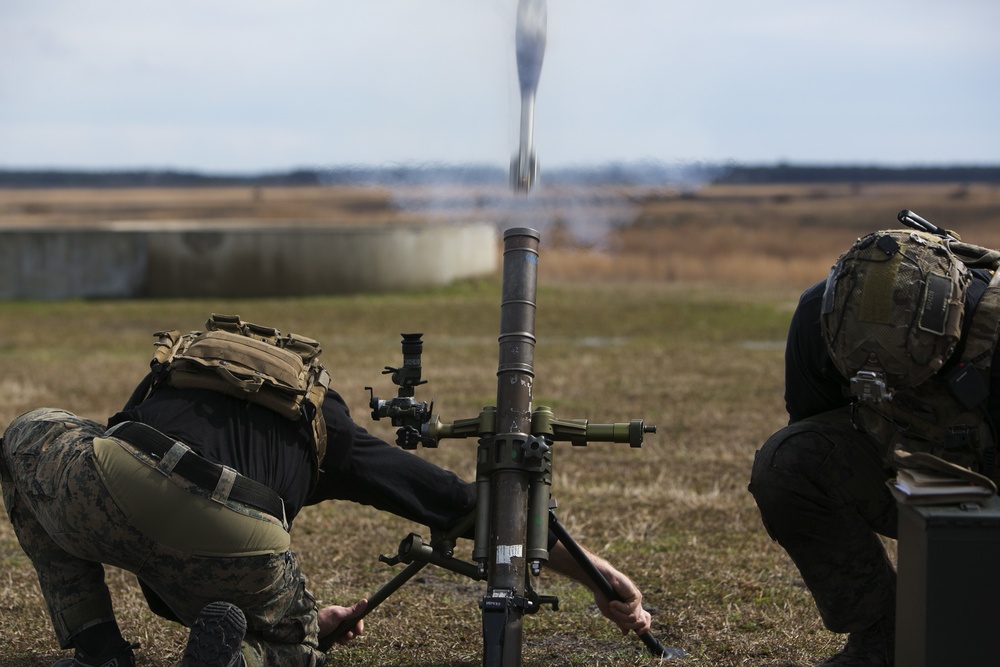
(195, 259)
(63, 264)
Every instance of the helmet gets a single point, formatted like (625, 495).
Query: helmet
(892, 310)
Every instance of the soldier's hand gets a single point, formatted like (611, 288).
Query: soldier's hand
(626, 613)
(330, 618)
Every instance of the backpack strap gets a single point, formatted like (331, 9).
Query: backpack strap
(984, 330)
(974, 256)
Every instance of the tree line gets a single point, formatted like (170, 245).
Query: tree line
(612, 174)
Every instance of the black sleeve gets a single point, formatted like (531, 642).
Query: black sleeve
(812, 383)
(993, 402)
(365, 469)
(977, 288)
(340, 432)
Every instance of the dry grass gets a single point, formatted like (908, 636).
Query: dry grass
(675, 515)
(84, 206)
(635, 332)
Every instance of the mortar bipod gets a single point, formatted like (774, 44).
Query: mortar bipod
(416, 554)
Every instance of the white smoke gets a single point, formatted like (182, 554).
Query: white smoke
(583, 204)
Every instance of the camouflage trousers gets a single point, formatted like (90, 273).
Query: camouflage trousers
(70, 526)
(820, 487)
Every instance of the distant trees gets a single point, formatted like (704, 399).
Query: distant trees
(611, 174)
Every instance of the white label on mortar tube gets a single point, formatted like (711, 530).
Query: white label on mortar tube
(507, 551)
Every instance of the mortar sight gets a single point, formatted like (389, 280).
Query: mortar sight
(408, 375)
(404, 411)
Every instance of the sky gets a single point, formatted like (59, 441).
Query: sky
(266, 86)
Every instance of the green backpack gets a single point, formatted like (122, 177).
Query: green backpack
(893, 307)
(893, 314)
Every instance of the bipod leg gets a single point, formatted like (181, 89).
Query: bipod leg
(394, 584)
(653, 645)
(377, 598)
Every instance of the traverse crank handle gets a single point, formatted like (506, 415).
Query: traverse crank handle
(653, 645)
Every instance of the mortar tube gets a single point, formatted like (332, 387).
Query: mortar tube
(507, 572)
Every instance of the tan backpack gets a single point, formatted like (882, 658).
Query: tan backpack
(251, 362)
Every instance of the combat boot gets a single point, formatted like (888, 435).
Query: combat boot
(216, 637)
(123, 658)
(875, 646)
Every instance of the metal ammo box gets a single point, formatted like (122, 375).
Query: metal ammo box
(948, 585)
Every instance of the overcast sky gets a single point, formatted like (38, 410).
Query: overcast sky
(262, 85)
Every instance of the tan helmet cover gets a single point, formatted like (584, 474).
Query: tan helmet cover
(893, 307)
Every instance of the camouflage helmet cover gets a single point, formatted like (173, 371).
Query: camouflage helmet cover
(893, 306)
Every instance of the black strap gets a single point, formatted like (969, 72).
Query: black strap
(199, 470)
(4, 473)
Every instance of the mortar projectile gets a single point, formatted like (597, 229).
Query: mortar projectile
(529, 40)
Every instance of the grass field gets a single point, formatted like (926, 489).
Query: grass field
(677, 317)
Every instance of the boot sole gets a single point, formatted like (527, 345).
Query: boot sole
(215, 637)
